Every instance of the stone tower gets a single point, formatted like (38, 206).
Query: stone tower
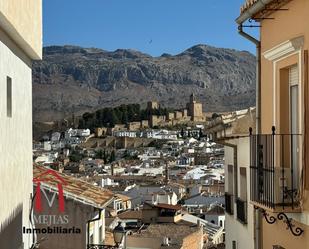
(195, 109)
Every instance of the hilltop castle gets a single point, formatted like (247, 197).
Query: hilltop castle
(193, 112)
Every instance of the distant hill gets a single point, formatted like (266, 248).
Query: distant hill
(73, 79)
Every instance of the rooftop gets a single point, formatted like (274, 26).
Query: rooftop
(72, 187)
(202, 199)
(216, 209)
(166, 206)
(258, 8)
(131, 214)
(123, 197)
(247, 5)
(172, 230)
(211, 229)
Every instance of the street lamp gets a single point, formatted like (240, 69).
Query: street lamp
(119, 234)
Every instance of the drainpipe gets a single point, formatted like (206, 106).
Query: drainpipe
(258, 76)
(257, 213)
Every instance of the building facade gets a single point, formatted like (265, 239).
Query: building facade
(20, 43)
(279, 166)
(80, 223)
(232, 131)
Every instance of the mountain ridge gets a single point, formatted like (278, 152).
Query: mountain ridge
(72, 79)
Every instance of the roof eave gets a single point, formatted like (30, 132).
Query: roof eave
(250, 12)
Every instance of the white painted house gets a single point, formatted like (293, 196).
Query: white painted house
(232, 130)
(20, 44)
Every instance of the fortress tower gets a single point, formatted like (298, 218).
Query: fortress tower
(195, 109)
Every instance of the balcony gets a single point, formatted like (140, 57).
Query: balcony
(241, 207)
(275, 171)
(99, 246)
(229, 203)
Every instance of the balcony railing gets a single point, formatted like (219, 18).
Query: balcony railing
(241, 210)
(274, 169)
(229, 203)
(99, 246)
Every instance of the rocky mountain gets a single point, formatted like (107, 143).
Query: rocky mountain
(73, 79)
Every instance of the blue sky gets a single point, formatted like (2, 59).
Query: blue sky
(151, 26)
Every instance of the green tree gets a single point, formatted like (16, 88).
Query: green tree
(99, 154)
(112, 157)
(75, 156)
(105, 156)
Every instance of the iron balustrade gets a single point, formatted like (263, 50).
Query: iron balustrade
(274, 169)
(99, 246)
(241, 210)
(229, 203)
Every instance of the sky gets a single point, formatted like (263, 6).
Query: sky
(150, 26)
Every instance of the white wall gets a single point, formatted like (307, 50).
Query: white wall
(15, 133)
(96, 229)
(241, 233)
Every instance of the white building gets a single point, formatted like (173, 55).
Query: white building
(160, 134)
(108, 182)
(55, 137)
(77, 133)
(232, 130)
(163, 197)
(125, 133)
(47, 146)
(20, 44)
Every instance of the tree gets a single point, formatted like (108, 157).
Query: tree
(125, 118)
(76, 156)
(105, 156)
(215, 115)
(99, 154)
(200, 133)
(112, 157)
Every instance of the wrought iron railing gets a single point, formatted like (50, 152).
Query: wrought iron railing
(274, 169)
(229, 203)
(99, 246)
(241, 210)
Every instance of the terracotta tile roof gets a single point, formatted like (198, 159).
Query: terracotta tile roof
(247, 5)
(131, 214)
(167, 206)
(176, 232)
(123, 197)
(72, 187)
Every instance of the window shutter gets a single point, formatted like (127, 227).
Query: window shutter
(293, 75)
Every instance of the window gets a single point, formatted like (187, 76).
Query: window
(294, 121)
(100, 235)
(119, 206)
(8, 97)
(241, 201)
(234, 244)
(243, 183)
(230, 179)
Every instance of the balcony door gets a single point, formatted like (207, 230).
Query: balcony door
(294, 122)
